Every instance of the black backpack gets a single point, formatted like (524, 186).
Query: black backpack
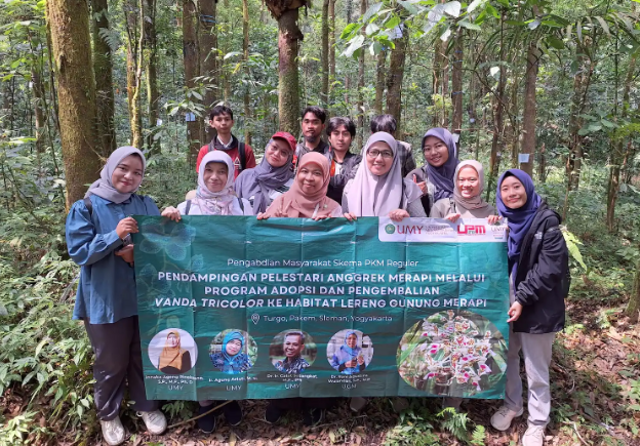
(241, 152)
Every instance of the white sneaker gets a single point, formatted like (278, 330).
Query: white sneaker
(113, 431)
(155, 421)
(501, 420)
(534, 436)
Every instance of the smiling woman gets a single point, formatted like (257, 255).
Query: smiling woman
(466, 201)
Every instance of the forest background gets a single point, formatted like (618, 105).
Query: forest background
(557, 81)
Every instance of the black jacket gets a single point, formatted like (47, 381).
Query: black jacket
(542, 279)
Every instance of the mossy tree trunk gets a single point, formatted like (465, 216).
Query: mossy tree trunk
(69, 24)
(288, 81)
(456, 81)
(103, 74)
(380, 71)
(395, 77)
(530, 113)
(360, 104)
(208, 34)
(245, 58)
(191, 70)
(324, 94)
(151, 69)
(332, 43)
(134, 16)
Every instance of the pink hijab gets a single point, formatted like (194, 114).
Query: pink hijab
(296, 204)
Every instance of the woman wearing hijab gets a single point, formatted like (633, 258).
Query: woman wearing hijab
(215, 194)
(174, 360)
(307, 197)
(272, 177)
(378, 189)
(539, 282)
(435, 178)
(98, 239)
(232, 359)
(349, 359)
(466, 201)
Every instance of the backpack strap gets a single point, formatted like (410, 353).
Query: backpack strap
(188, 207)
(243, 156)
(88, 205)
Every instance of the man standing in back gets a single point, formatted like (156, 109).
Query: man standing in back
(313, 119)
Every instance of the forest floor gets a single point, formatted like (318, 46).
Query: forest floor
(595, 391)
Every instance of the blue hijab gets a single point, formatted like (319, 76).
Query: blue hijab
(442, 177)
(351, 351)
(519, 220)
(232, 335)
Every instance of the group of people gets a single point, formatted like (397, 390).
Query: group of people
(319, 180)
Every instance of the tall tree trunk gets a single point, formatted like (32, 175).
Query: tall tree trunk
(360, 103)
(529, 114)
(103, 73)
(457, 94)
(134, 16)
(288, 102)
(380, 70)
(324, 94)
(245, 58)
(617, 155)
(581, 83)
(633, 308)
(38, 106)
(332, 43)
(69, 22)
(445, 85)
(151, 69)
(208, 32)
(498, 120)
(394, 79)
(436, 83)
(191, 70)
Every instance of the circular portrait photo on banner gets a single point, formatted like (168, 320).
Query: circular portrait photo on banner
(173, 351)
(292, 351)
(233, 351)
(350, 351)
(454, 353)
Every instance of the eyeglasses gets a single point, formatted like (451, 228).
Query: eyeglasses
(373, 154)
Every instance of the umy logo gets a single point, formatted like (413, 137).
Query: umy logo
(403, 229)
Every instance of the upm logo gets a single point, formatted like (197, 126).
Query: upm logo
(471, 229)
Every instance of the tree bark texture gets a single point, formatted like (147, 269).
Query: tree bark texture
(191, 70)
(324, 94)
(581, 83)
(618, 158)
(208, 32)
(529, 114)
(38, 107)
(69, 22)
(361, 67)
(498, 120)
(380, 71)
(633, 308)
(457, 93)
(103, 73)
(151, 69)
(288, 96)
(394, 79)
(332, 43)
(134, 15)
(245, 57)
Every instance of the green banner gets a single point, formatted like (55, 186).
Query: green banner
(236, 308)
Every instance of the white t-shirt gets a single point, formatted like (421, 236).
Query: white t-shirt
(236, 209)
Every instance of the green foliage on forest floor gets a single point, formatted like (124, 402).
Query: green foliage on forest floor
(45, 359)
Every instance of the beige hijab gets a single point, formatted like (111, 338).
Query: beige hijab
(171, 356)
(476, 205)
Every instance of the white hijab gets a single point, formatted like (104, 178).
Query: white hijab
(216, 203)
(373, 195)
